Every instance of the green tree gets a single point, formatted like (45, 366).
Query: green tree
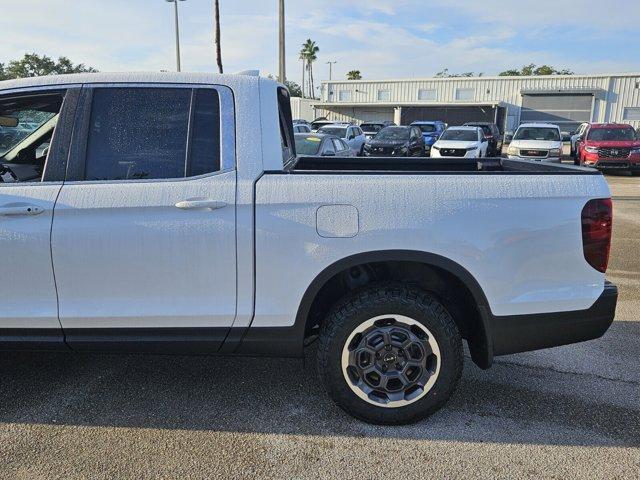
(310, 52)
(354, 75)
(533, 69)
(34, 65)
(303, 57)
(294, 88)
(446, 74)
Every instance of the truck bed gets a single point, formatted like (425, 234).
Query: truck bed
(433, 166)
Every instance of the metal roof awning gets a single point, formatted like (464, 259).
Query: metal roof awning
(496, 103)
(596, 92)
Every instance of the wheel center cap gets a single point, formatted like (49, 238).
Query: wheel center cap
(389, 357)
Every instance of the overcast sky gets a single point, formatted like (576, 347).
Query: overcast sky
(381, 38)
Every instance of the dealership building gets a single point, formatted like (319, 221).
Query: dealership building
(566, 100)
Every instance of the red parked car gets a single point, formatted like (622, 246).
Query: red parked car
(610, 146)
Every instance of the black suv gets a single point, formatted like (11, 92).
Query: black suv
(493, 136)
(396, 142)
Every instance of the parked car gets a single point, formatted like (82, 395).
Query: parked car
(431, 131)
(493, 136)
(321, 122)
(574, 139)
(301, 128)
(351, 134)
(318, 144)
(610, 146)
(371, 129)
(537, 141)
(396, 142)
(468, 142)
(197, 233)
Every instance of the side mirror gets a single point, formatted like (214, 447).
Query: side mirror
(352, 136)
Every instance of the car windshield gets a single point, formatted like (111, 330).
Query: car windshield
(371, 127)
(620, 134)
(307, 145)
(393, 134)
(537, 133)
(13, 132)
(427, 127)
(461, 135)
(337, 131)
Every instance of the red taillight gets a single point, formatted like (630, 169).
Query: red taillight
(597, 220)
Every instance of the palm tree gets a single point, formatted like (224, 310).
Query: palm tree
(310, 49)
(303, 57)
(216, 7)
(354, 75)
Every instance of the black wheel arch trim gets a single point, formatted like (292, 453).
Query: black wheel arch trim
(289, 341)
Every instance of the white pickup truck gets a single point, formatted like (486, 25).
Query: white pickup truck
(168, 213)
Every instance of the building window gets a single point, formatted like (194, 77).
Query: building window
(384, 95)
(631, 113)
(465, 94)
(344, 95)
(427, 94)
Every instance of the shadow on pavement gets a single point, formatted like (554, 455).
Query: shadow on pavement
(284, 397)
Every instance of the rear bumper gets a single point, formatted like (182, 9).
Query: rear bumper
(521, 333)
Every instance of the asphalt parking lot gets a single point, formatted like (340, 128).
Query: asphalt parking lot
(569, 412)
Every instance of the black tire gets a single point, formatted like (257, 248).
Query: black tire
(359, 308)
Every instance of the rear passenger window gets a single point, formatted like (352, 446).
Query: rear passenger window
(152, 133)
(337, 143)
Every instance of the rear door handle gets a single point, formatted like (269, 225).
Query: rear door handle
(200, 204)
(20, 209)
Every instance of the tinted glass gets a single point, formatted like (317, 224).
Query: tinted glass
(307, 144)
(461, 135)
(613, 134)
(427, 127)
(394, 134)
(138, 133)
(537, 133)
(371, 127)
(143, 133)
(337, 144)
(205, 135)
(337, 131)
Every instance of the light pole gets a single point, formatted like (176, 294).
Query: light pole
(175, 4)
(331, 68)
(282, 74)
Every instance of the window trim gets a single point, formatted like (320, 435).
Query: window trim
(78, 151)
